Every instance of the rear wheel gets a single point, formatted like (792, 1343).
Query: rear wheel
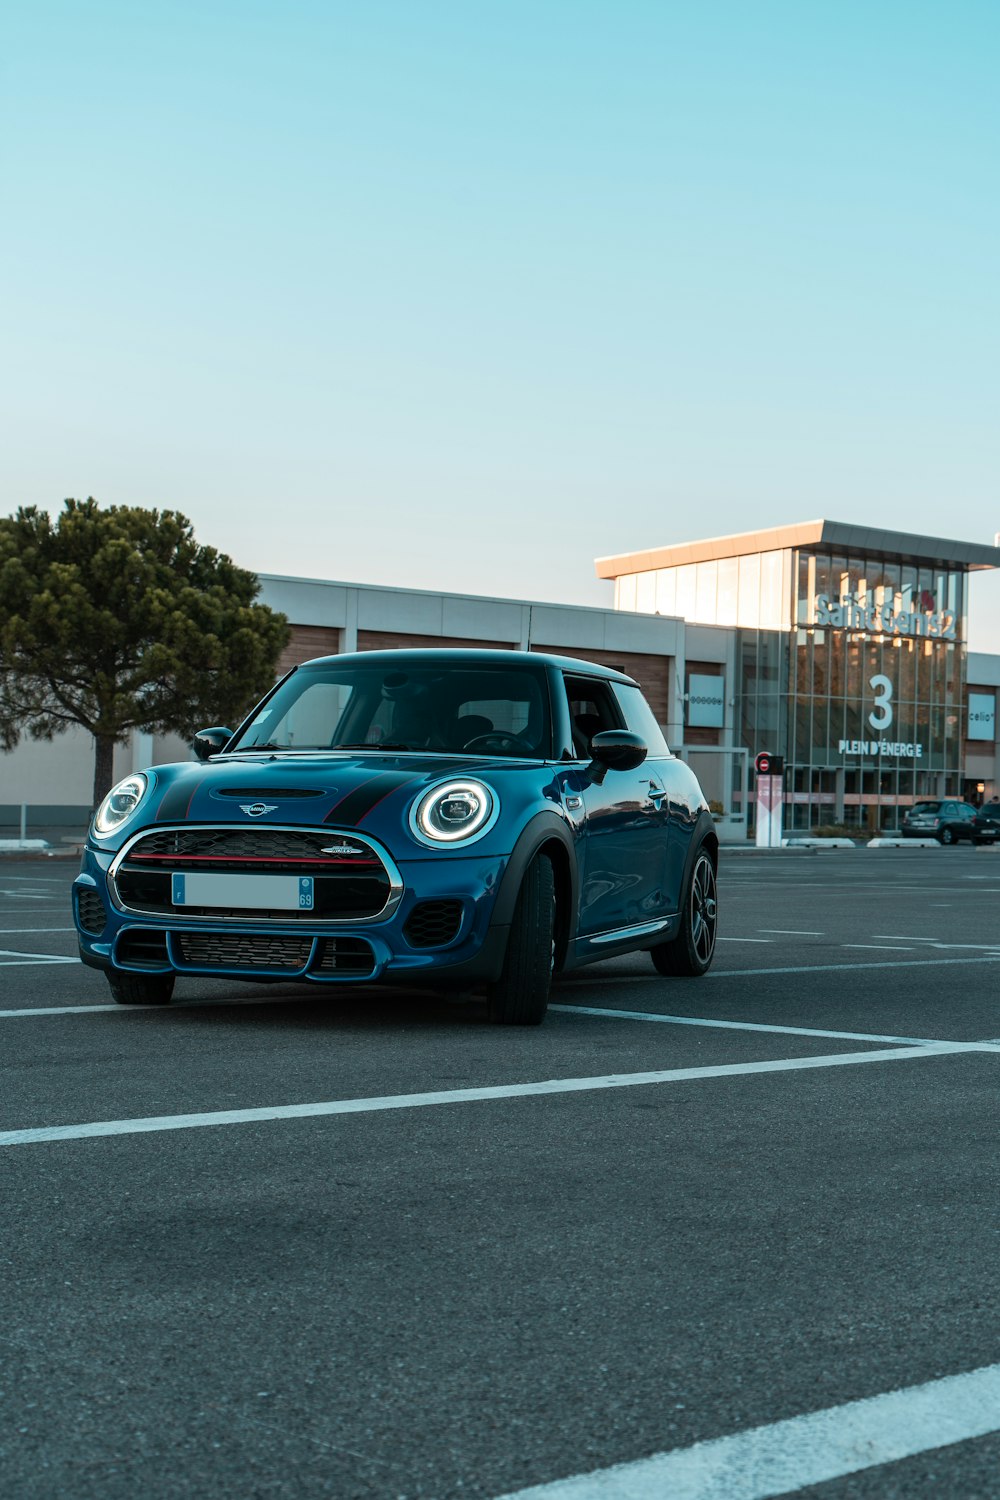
(692, 950)
(520, 997)
(947, 836)
(141, 989)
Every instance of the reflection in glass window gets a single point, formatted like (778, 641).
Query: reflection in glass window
(749, 599)
(773, 614)
(686, 591)
(729, 582)
(666, 591)
(706, 588)
(645, 594)
(626, 592)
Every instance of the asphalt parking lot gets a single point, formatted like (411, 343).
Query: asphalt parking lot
(362, 1244)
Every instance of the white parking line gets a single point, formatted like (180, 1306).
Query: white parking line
(155, 1123)
(879, 947)
(8, 931)
(801, 1451)
(12, 958)
(789, 932)
(743, 940)
(904, 963)
(846, 1036)
(571, 981)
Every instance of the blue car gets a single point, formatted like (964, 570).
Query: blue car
(476, 820)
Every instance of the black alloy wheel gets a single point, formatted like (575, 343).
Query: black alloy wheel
(947, 835)
(691, 952)
(140, 989)
(520, 997)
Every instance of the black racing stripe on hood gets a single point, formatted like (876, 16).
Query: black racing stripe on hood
(358, 804)
(177, 800)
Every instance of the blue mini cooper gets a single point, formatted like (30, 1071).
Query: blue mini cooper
(454, 818)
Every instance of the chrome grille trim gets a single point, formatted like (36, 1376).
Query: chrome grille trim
(326, 831)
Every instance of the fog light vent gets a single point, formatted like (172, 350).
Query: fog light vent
(90, 911)
(431, 924)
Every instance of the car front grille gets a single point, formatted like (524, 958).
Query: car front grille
(352, 883)
(431, 924)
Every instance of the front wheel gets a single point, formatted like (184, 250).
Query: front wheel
(691, 952)
(520, 997)
(141, 989)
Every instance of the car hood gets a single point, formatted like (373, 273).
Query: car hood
(365, 791)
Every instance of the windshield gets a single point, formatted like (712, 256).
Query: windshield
(922, 809)
(459, 708)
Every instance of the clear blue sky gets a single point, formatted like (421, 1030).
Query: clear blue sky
(461, 295)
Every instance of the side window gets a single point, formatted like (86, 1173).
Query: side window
(592, 709)
(967, 811)
(639, 717)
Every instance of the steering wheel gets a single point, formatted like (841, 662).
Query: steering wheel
(498, 743)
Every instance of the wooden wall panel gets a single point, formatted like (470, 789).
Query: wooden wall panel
(650, 672)
(397, 640)
(306, 642)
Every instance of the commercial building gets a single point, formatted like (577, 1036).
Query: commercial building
(841, 648)
(851, 662)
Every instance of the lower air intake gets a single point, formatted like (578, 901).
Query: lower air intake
(213, 950)
(431, 924)
(90, 911)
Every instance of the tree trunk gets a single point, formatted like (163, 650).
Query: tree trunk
(104, 767)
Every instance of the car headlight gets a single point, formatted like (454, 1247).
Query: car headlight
(454, 812)
(120, 803)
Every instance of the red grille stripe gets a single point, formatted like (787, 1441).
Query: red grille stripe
(256, 859)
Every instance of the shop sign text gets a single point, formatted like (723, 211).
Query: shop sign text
(854, 612)
(904, 749)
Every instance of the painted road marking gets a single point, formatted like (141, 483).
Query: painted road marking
(989, 1044)
(846, 1036)
(742, 940)
(33, 963)
(5, 932)
(83, 1010)
(47, 958)
(155, 1123)
(905, 963)
(790, 932)
(802, 1451)
(879, 947)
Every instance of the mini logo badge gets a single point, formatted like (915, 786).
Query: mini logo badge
(341, 849)
(257, 809)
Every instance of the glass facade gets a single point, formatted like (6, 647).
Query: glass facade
(852, 667)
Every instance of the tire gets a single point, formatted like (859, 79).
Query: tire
(691, 952)
(141, 989)
(947, 836)
(520, 997)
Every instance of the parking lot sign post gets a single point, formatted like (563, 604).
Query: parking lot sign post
(770, 799)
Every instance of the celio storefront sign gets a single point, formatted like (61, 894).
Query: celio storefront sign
(854, 612)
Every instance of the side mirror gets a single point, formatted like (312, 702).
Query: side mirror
(210, 741)
(618, 749)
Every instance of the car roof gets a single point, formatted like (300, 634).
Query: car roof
(466, 656)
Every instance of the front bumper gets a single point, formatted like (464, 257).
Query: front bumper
(272, 950)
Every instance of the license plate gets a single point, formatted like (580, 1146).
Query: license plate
(251, 892)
